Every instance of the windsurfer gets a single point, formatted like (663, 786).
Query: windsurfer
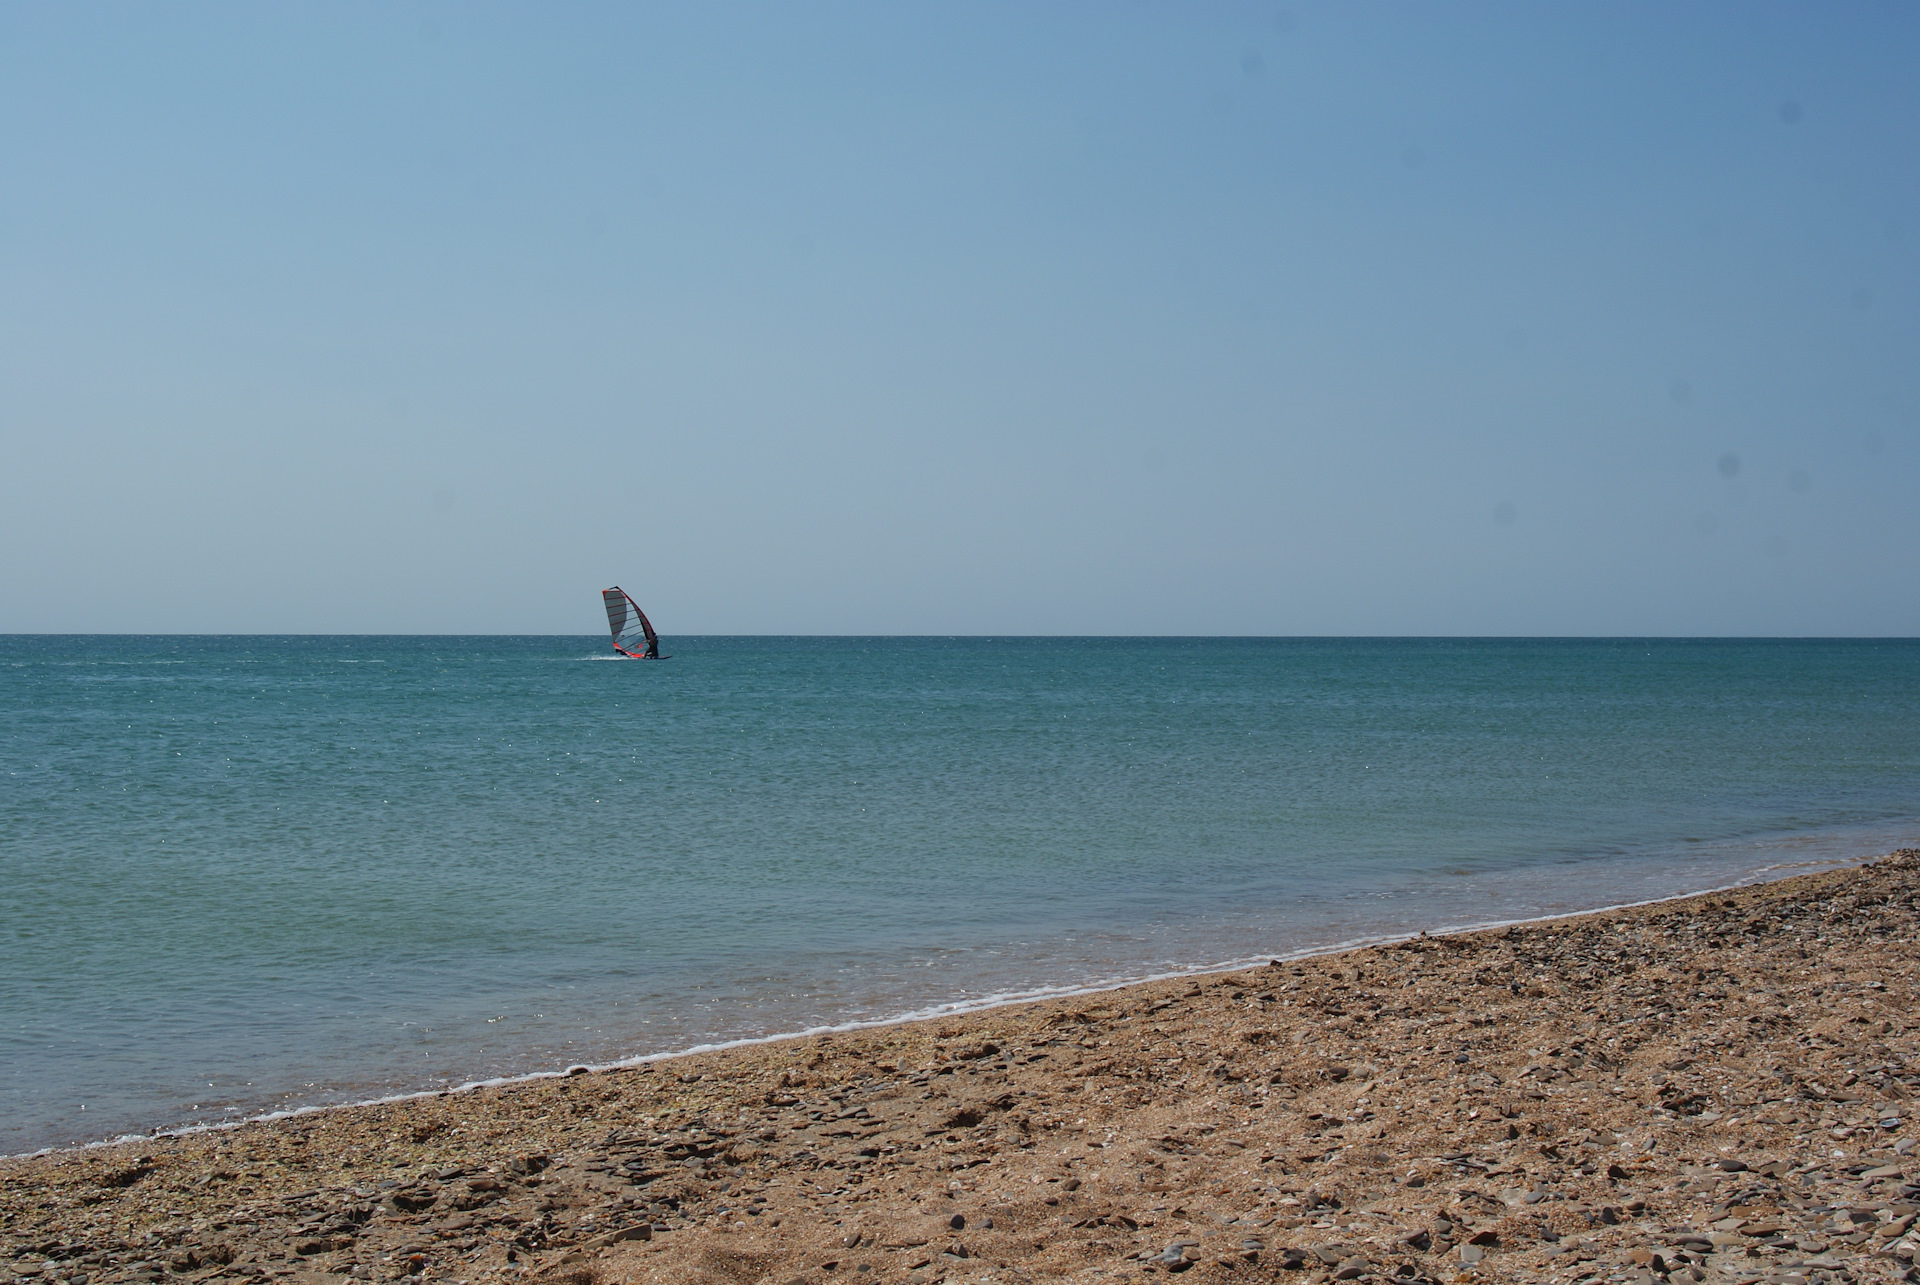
(630, 625)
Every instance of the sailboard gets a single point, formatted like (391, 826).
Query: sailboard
(633, 634)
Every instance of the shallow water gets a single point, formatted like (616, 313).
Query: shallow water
(247, 873)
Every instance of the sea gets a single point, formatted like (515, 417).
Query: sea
(245, 875)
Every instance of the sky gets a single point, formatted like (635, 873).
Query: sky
(1057, 318)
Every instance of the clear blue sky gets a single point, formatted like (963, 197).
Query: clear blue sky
(924, 318)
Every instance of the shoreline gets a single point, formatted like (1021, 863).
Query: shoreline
(1227, 800)
(1717, 1087)
(947, 1009)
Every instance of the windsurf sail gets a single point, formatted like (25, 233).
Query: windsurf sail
(632, 632)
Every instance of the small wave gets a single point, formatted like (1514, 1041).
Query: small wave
(88, 662)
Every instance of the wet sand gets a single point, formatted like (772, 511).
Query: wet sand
(1717, 1088)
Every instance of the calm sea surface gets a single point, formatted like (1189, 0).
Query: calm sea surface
(243, 874)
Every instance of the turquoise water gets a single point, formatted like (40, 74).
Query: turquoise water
(241, 874)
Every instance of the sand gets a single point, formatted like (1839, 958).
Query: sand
(1716, 1088)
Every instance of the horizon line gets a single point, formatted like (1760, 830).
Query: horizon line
(1328, 637)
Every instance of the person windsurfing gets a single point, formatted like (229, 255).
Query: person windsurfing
(633, 635)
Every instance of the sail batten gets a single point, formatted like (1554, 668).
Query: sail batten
(632, 632)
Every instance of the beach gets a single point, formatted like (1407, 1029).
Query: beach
(1716, 1088)
(956, 645)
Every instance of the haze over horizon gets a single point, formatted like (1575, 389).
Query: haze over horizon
(1368, 319)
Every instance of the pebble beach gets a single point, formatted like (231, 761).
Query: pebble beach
(1717, 1088)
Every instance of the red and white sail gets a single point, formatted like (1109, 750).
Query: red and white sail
(632, 632)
